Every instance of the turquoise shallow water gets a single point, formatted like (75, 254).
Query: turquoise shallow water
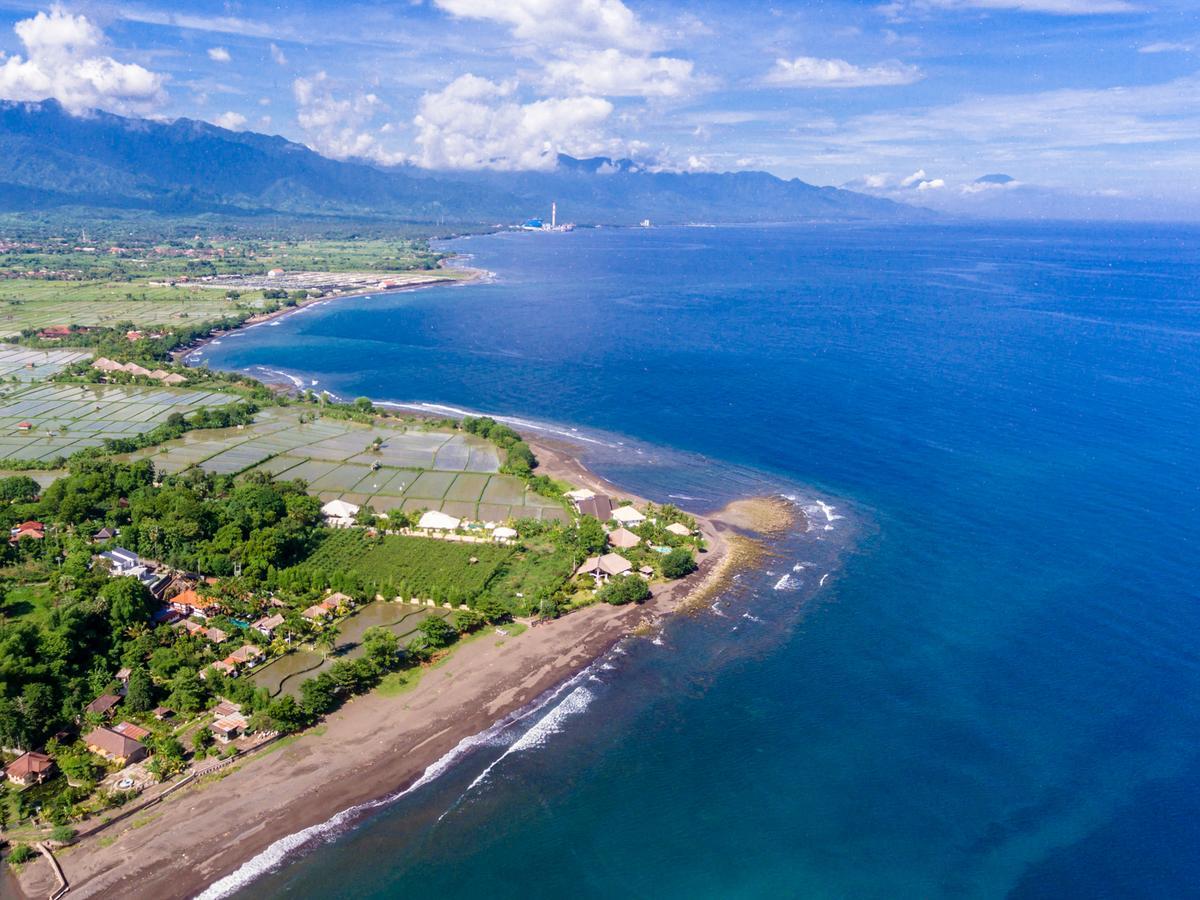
(995, 691)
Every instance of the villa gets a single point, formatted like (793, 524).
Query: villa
(628, 516)
(267, 624)
(339, 514)
(604, 567)
(438, 521)
(116, 747)
(189, 603)
(623, 539)
(102, 704)
(29, 768)
(679, 530)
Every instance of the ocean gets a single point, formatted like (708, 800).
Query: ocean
(976, 675)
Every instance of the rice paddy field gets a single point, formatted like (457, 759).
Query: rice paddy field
(24, 364)
(64, 418)
(34, 303)
(412, 469)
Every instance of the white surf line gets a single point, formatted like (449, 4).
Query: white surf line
(277, 853)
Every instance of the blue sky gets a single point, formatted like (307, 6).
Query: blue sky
(916, 99)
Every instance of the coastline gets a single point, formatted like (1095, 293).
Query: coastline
(180, 354)
(379, 745)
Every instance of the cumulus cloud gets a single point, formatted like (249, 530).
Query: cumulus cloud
(612, 73)
(476, 123)
(65, 60)
(811, 72)
(277, 56)
(551, 22)
(234, 121)
(219, 54)
(340, 126)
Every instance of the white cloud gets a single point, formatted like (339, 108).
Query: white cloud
(612, 73)
(899, 9)
(64, 60)
(810, 72)
(476, 123)
(234, 121)
(915, 178)
(340, 126)
(931, 185)
(1167, 47)
(277, 56)
(608, 23)
(219, 54)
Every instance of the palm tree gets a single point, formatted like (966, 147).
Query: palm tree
(327, 638)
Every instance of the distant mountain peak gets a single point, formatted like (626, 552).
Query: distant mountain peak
(49, 157)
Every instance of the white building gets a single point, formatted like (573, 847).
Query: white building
(438, 521)
(339, 513)
(628, 516)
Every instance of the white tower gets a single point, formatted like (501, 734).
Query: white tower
(553, 214)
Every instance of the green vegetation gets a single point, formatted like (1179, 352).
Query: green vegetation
(625, 590)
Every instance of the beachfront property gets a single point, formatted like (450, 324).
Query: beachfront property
(623, 539)
(340, 514)
(628, 516)
(104, 364)
(115, 747)
(602, 568)
(589, 503)
(29, 768)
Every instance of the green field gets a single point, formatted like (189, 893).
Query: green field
(286, 674)
(416, 469)
(34, 303)
(70, 417)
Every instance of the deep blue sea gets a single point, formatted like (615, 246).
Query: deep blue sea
(997, 689)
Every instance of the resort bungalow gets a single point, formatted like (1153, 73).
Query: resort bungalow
(31, 529)
(161, 713)
(598, 507)
(137, 732)
(316, 613)
(337, 600)
(120, 561)
(628, 516)
(116, 747)
(339, 513)
(438, 521)
(504, 534)
(216, 635)
(29, 768)
(229, 728)
(604, 567)
(623, 539)
(267, 624)
(224, 666)
(103, 704)
(189, 603)
(104, 534)
(679, 530)
(247, 653)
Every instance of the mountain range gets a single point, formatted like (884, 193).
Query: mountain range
(50, 158)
